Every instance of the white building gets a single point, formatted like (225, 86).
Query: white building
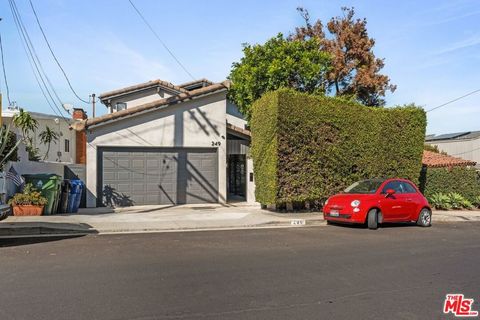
(61, 151)
(167, 144)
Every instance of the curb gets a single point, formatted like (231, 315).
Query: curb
(36, 231)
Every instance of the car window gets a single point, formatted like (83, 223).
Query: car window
(365, 186)
(408, 188)
(395, 185)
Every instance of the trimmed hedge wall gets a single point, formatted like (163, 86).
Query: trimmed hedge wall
(465, 181)
(306, 147)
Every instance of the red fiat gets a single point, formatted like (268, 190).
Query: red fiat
(376, 201)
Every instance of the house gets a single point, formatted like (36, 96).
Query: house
(432, 159)
(461, 144)
(63, 150)
(162, 143)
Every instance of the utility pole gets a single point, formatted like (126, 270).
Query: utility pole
(93, 105)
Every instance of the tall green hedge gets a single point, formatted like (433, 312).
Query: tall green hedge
(305, 147)
(465, 181)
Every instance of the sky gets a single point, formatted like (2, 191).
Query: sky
(431, 48)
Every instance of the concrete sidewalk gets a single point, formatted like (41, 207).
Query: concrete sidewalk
(177, 218)
(156, 219)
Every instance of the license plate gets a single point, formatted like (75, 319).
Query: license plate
(334, 213)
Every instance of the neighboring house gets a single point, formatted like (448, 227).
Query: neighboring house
(167, 144)
(64, 150)
(462, 144)
(438, 160)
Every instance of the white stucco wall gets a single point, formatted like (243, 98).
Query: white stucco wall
(250, 184)
(195, 123)
(57, 150)
(234, 116)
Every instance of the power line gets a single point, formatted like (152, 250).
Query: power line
(54, 56)
(4, 71)
(456, 99)
(33, 52)
(160, 40)
(36, 65)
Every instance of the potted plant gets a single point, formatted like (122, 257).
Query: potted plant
(30, 202)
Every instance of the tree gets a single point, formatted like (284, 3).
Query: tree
(278, 63)
(47, 137)
(8, 146)
(355, 70)
(27, 125)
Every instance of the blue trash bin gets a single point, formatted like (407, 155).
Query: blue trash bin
(76, 188)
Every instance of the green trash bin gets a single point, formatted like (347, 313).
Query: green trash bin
(49, 186)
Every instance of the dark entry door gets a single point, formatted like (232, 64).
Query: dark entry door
(237, 174)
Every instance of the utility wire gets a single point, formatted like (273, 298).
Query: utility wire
(54, 56)
(4, 71)
(456, 99)
(33, 57)
(32, 51)
(160, 40)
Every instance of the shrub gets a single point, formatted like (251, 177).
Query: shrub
(29, 196)
(457, 201)
(476, 202)
(440, 201)
(462, 180)
(306, 147)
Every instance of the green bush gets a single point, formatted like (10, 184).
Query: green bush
(306, 147)
(440, 201)
(462, 180)
(457, 201)
(476, 202)
(449, 201)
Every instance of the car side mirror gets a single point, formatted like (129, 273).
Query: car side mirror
(390, 192)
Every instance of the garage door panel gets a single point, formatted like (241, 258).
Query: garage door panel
(159, 176)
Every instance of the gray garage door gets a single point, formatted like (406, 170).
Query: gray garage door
(140, 176)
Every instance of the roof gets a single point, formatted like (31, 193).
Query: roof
(142, 86)
(192, 85)
(454, 136)
(161, 103)
(439, 160)
(9, 113)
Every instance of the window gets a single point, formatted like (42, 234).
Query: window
(408, 188)
(395, 185)
(67, 145)
(365, 186)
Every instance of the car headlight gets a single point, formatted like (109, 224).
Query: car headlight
(355, 203)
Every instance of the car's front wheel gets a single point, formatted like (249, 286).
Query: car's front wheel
(372, 219)
(425, 218)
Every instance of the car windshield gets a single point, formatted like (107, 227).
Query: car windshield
(365, 186)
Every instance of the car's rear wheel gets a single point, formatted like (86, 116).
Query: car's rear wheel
(372, 219)
(425, 218)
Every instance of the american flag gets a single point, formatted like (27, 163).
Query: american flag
(13, 175)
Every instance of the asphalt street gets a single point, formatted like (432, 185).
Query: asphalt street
(328, 272)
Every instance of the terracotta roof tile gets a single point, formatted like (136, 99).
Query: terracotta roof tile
(438, 160)
(145, 85)
(82, 125)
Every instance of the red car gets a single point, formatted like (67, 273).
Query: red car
(376, 201)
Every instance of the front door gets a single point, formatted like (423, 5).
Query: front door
(236, 175)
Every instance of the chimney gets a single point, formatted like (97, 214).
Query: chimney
(80, 138)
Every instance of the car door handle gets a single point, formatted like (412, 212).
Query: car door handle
(409, 199)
